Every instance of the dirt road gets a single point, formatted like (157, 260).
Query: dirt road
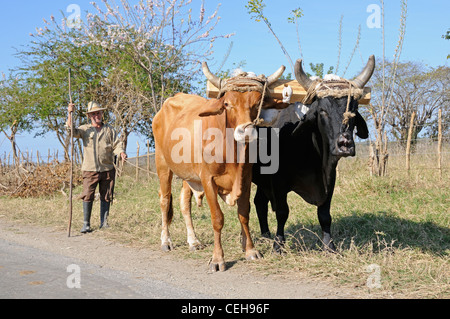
(141, 271)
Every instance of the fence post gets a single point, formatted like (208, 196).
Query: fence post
(385, 154)
(371, 159)
(148, 159)
(137, 162)
(440, 144)
(408, 143)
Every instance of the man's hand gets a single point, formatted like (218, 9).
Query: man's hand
(123, 156)
(70, 109)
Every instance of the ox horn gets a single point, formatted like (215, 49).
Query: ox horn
(301, 76)
(366, 73)
(215, 80)
(276, 75)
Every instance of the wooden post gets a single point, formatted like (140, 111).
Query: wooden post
(148, 159)
(385, 154)
(137, 162)
(408, 143)
(371, 158)
(440, 144)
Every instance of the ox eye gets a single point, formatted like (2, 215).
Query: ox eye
(324, 113)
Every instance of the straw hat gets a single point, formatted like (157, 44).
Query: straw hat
(94, 107)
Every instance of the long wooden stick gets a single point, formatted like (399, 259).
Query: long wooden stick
(440, 143)
(71, 159)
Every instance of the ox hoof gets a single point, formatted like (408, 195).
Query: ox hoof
(195, 247)
(278, 245)
(330, 247)
(328, 244)
(217, 266)
(266, 235)
(253, 255)
(167, 247)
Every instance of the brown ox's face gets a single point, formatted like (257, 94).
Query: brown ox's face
(242, 109)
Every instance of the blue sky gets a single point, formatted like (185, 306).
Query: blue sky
(426, 22)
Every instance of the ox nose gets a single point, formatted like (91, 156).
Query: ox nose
(245, 133)
(345, 144)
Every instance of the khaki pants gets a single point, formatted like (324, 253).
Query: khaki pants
(105, 180)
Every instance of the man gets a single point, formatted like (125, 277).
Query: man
(100, 143)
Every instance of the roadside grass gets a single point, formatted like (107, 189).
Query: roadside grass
(393, 231)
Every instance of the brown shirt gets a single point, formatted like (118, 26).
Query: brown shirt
(99, 147)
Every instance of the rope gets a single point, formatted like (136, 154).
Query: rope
(312, 91)
(258, 120)
(320, 88)
(242, 83)
(347, 114)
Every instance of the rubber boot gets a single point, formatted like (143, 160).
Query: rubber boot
(87, 209)
(104, 212)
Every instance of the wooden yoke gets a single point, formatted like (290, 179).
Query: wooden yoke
(276, 91)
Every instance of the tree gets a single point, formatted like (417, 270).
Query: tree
(446, 36)
(45, 64)
(127, 58)
(380, 106)
(418, 89)
(161, 37)
(256, 10)
(14, 111)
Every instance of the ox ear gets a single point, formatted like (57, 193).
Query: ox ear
(308, 119)
(361, 126)
(212, 107)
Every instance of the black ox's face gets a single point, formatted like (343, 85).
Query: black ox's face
(334, 121)
(337, 132)
(336, 135)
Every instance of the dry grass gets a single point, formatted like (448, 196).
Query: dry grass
(399, 223)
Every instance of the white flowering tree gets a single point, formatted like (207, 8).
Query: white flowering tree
(163, 37)
(128, 57)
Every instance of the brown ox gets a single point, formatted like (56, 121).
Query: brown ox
(186, 116)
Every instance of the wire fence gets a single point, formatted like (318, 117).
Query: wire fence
(424, 156)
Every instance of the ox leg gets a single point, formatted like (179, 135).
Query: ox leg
(323, 212)
(261, 202)
(217, 220)
(244, 213)
(165, 202)
(185, 205)
(282, 214)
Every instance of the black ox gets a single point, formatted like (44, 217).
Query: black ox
(309, 151)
